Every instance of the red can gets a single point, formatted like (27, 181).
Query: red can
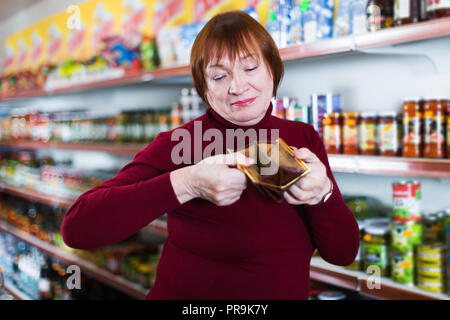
(406, 201)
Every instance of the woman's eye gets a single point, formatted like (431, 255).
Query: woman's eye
(218, 78)
(251, 69)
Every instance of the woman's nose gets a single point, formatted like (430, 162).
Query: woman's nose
(238, 85)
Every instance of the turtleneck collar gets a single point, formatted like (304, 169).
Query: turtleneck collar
(261, 124)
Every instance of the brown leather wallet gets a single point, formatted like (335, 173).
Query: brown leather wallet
(275, 169)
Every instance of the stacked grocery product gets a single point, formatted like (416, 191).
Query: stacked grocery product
(128, 126)
(408, 246)
(293, 22)
(24, 169)
(115, 58)
(406, 230)
(131, 259)
(290, 22)
(42, 277)
(41, 221)
(422, 129)
(431, 254)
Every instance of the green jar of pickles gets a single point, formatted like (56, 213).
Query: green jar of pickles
(376, 242)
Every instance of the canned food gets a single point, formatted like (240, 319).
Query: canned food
(402, 236)
(430, 284)
(403, 267)
(435, 270)
(406, 199)
(433, 253)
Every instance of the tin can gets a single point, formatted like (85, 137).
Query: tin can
(406, 200)
(431, 253)
(403, 267)
(321, 104)
(402, 236)
(430, 284)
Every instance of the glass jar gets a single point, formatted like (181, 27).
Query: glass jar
(438, 9)
(367, 134)
(379, 14)
(332, 136)
(388, 134)
(412, 114)
(350, 132)
(434, 128)
(448, 128)
(376, 242)
(406, 11)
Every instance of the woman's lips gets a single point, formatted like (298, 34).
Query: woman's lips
(243, 103)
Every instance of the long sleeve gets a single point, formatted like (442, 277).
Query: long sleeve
(119, 207)
(334, 229)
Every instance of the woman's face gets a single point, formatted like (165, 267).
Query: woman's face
(239, 91)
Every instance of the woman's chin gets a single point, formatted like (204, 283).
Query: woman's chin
(246, 114)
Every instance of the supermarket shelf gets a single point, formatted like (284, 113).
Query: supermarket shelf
(33, 195)
(417, 167)
(156, 226)
(120, 149)
(357, 280)
(127, 79)
(100, 274)
(402, 34)
(16, 292)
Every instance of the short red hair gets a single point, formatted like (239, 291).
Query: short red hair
(233, 33)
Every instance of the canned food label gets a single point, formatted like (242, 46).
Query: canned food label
(433, 272)
(403, 268)
(406, 198)
(402, 236)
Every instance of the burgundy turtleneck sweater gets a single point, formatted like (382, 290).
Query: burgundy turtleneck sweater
(253, 249)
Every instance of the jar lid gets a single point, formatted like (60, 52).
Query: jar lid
(331, 295)
(430, 216)
(368, 115)
(378, 227)
(388, 114)
(361, 224)
(350, 114)
(416, 99)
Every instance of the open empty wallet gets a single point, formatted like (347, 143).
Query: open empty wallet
(275, 169)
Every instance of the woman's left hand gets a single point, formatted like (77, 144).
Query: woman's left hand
(312, 187)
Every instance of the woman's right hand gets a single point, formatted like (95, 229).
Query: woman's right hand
(212, 179)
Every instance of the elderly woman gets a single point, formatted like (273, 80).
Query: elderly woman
(225, 239)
